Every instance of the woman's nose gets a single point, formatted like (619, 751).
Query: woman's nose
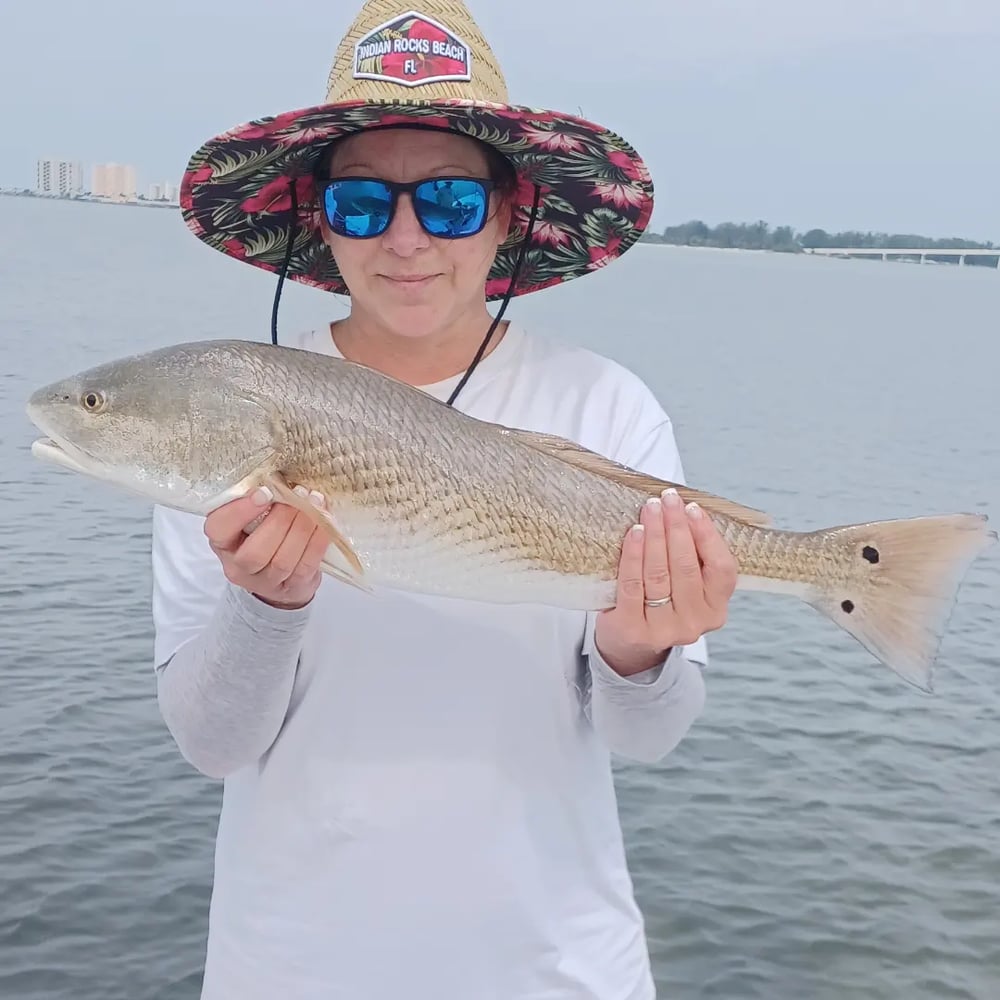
(405, 234)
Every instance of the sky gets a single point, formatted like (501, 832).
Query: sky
(844, 114)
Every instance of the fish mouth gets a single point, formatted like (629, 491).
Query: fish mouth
(50, 450)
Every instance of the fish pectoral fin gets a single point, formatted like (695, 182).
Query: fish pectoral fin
(329, 567)
(573, 454)
(283, 492)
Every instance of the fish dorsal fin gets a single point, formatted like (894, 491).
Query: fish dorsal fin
(573, 454)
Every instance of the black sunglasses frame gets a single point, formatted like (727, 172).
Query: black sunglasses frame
(395, 190)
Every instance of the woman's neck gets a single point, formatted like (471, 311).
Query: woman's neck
(415, 360)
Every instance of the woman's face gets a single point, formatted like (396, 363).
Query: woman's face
(410, 282)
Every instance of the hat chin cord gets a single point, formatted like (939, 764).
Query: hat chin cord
(290, 241)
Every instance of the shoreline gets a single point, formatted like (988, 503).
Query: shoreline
(891, 255)
(952, 256)
(88, 199)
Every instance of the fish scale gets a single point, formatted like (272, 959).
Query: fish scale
(783, 555)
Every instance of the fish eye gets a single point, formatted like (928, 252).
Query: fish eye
(93, 401)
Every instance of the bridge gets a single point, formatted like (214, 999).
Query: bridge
(920, 252)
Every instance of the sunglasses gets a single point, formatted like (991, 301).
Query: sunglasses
(449, 208)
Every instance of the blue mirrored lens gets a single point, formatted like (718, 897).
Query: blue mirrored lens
(358, 208)
(451, 207)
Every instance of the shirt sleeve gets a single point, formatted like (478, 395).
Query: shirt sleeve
(645, 716)
(225, 662)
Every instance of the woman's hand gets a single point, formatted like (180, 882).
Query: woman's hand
(673, 553)
(278, 561)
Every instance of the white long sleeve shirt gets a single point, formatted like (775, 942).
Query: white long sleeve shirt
(418, 796)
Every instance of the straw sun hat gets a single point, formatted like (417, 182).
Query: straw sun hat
(249, 192)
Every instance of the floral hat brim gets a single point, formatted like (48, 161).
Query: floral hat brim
(596, 195)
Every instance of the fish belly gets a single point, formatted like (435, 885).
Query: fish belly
(423, 556)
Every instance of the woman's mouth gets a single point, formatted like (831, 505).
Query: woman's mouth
(410, 280)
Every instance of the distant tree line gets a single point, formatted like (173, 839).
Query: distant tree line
(783, 239)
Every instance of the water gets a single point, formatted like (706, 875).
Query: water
(824, 832)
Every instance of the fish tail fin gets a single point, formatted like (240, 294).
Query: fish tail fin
(912, 569)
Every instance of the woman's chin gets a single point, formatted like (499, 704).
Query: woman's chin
(416, 319)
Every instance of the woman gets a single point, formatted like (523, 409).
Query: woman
(418, 798)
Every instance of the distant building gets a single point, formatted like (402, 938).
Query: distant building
(114, 181)
(164, 192)
(59, 177)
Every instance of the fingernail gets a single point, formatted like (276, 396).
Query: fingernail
(694, 511)
(317, 498)
(262, 496)
(671, 497)
(653, 504)
(638, 530)
(300, 491)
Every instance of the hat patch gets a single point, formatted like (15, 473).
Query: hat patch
(412, 49)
